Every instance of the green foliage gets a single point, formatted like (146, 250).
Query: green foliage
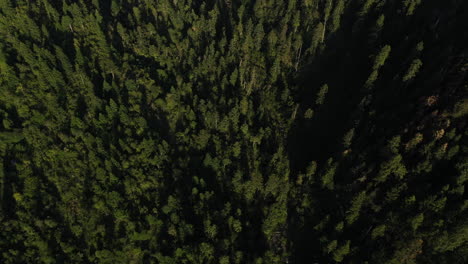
(410, 6)
(392, 166)
(181, 131)
(412, 70)
(331, 246)
(353, 212)
(460, 108)
(340, 253)
(321, 94)
(381, 57)
(451, 239)
(327, 177)
(336, 15)
(348, 137)
(378, 231)
(309, 113)
(416, 221)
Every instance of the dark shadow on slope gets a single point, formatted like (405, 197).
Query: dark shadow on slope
(320, 137)
(345, 68)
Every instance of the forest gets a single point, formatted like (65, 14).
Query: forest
(234, 131)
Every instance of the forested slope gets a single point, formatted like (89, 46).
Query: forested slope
(235, 131)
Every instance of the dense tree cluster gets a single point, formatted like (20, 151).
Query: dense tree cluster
(262, 131)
